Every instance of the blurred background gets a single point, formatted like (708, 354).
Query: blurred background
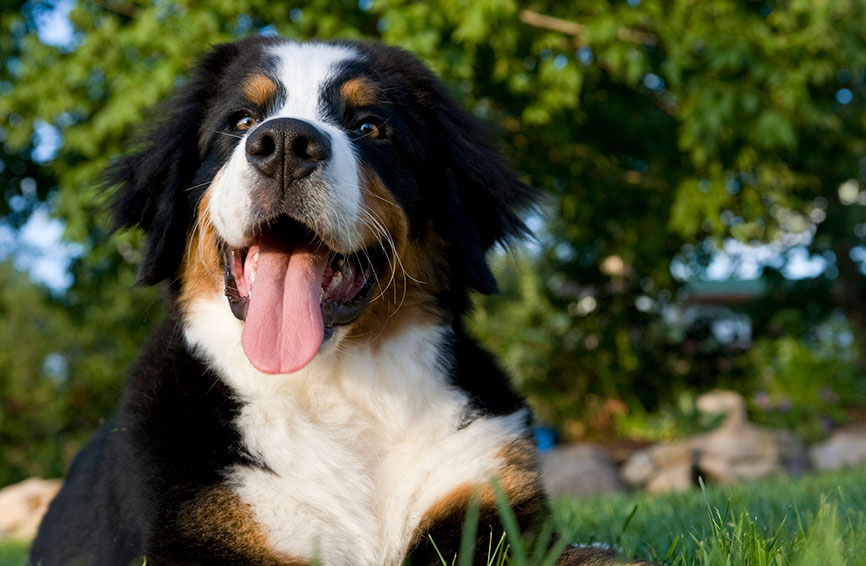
(704, 223)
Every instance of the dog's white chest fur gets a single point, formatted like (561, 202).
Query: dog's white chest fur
(357, 445)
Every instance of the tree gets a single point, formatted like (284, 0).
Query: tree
(697, 122)
(656, 130)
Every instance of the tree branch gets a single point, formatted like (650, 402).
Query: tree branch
(575, 29)
(552, 23)
(122, 8)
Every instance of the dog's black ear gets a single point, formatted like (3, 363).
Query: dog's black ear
(150, 183)
(483, 195)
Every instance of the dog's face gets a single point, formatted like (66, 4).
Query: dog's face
(327, 190)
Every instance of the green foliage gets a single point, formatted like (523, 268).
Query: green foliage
(31, 408)
(676, 420)
(59, 374)
(787, 391)
(729, 125)
(655, 129)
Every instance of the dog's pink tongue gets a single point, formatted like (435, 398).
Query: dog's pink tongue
(283, 328)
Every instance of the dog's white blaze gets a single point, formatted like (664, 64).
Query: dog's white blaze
(303, 70)
(359, 444)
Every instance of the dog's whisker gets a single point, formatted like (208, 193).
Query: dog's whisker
(367, 191)
(221, 132)
(199, 185)
(376, 222)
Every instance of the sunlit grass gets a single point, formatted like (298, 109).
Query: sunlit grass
(817, 520)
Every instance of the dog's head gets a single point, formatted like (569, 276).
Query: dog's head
(325, 189)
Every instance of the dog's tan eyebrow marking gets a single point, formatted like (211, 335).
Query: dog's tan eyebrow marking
(260, 89)
(359, 91)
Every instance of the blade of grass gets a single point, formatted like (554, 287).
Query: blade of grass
(625, 524)
(672, 548)
(470, 531)
(436, 548)
(509, 521)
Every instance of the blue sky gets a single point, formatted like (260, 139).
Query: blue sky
(39, 248)
(54, 27)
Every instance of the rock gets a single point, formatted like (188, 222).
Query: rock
(747, 451)
(728, 403)
(737, 450)
(678, 476)
(846, 447)
(621, 449)
(22, 505)
(578, 470)
(672, 453)
(663, 467)
(639, 469)
(645, 464)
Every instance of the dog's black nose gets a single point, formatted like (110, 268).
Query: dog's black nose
(287, 149)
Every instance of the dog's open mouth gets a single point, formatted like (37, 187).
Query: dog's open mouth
(290, 290)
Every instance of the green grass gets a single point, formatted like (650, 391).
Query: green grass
(815, 520)
(812, 521)
(13, 553)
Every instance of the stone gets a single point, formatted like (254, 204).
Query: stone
(579, 470)
(22, 506)
(639, 469)
(678, 476)
(845, 448)
(662, 467)
(738, 450)
(672, 453)
(728, 403)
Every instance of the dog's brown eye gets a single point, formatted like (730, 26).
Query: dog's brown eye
(245, 122)
(368, 130)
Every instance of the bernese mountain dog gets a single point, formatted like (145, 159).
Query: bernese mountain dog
(318, 213)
